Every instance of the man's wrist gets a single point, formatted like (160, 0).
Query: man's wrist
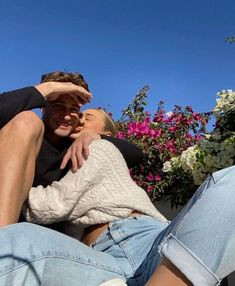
(44, 88)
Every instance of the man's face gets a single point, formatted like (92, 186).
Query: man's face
(61, 116)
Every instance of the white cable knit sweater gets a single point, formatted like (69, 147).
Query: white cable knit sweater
(100, 191)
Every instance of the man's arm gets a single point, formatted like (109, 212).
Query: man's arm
(14, 102)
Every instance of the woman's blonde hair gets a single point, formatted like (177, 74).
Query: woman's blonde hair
(109, 124)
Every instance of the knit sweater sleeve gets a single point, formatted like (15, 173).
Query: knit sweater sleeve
(100, 191)
(56, 202)
(132, 154)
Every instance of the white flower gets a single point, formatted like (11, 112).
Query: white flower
(167, 167)
(169, 113)
(188, 158)
(224, 103)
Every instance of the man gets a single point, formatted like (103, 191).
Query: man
(21, 135)
(60, 96)
(60, 119)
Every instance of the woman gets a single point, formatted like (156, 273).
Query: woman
(97, 120)
(124, 229)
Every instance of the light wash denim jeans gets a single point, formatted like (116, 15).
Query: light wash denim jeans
(200, 241)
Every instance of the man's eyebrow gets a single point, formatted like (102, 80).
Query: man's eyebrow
(64, 102)
(55, 101)
(75, 105)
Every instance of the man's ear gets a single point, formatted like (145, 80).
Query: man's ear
(42, 109)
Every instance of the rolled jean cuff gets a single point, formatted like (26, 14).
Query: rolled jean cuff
(187, 262)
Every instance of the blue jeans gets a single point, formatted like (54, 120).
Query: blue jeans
(200, 241)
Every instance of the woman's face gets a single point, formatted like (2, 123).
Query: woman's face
(92, 120)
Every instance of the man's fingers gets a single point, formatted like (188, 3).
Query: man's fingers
(82, 97)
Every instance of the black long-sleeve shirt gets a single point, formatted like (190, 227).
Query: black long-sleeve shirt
(50, 157)
(16, 101)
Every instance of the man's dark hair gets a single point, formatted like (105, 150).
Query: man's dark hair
(75, 78)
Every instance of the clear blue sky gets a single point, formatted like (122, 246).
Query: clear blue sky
(175, 47)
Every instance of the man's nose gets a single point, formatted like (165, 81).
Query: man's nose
(67, 116)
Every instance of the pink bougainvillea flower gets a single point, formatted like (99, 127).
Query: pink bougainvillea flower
(150, 177)
(149, 189)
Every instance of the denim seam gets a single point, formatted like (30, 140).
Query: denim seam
(99, 266)
(122, 245)
(122, 234)
(129, 257)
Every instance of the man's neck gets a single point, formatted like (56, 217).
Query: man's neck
(57, 141)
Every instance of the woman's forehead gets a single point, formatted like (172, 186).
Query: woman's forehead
(91, 111)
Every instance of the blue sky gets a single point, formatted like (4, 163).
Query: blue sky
(175, 47)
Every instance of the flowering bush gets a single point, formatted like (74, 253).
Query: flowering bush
(215, 151)
(163, 137)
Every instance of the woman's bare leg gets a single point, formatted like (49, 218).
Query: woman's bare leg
(167, 274)
(20, 142)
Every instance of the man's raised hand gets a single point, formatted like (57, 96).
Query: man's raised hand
(51, 90)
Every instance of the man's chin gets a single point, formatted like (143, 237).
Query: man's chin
(62, 133)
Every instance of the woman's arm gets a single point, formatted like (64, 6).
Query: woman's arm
(56, 202)
(77, 193)
(79, 150)
(132, 154)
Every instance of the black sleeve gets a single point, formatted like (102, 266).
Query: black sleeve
(132, 154)
(16, 101)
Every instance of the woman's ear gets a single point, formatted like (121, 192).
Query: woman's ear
(107, 133)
